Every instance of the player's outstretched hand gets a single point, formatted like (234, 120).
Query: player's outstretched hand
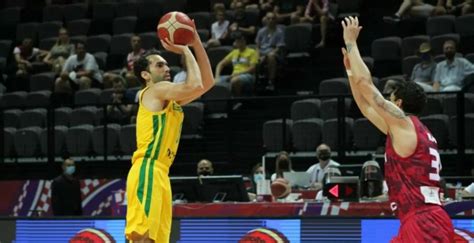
(351, 29)
(178, 49)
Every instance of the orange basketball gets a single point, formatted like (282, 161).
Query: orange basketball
(280, 188)
(177, 27)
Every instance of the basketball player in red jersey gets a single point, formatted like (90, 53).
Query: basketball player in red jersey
(412, 162)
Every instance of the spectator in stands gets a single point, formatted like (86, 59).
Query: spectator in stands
(241, 24)
(450, 73)
(127, 72)
(266, 5)
(423, 73)
(318, 10)
(180, 77)
(219, 30)
(270, 42)
(329, 172)
(25, 54)
(248, 4)
(282, 164)
(244, 61)
(416, 8)
(79, 72)
(59, 52)
(372, 182)
(119, 112)
(66, 192)
(323, 153)
(205, 168)
(258, 175)
(288, 11)
(467, 7)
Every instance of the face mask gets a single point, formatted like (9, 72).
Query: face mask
(70, 170)
(204, 173)
(426, 57)
(258, 177)
(324, 155)
(449, 55)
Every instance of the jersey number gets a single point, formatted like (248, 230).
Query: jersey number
(435, 163)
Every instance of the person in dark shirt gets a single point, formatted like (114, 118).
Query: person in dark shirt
(66, 192)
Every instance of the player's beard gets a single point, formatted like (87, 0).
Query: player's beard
(158, 78)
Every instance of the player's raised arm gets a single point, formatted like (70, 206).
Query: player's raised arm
(391, 113)
(361, 102)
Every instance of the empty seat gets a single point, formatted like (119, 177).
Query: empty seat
(53, 13)
(366, 135)
(432, 106)
(27, 142)
(439, 25)
(98, 145)
(59, 140)
(149, 40)
(468, 132)
(81, 146)
(7, 141)
(369, 61)
(42, 81)
(331, 133)
(193, 117)
(450, 104)
(124, 25)
(49, 29)
(276, 135)
(98, 43)
(101, 59)
(33, 118)
(409, 63)
(438, 125)
(83, 116)
(5, 52)
(87, 96)
(106, 96)
(119, 48)
(26, 30)
(334, 86)
(411, 44)
(128, 140)
(11, 118)
(13, 99)
(74, 11)
(307, 134)
(201, 19)
(298, 40)
(219, 91)
(305, 109)
(62, 116)
(204, 34)
(150, 13)
(103, 10)
(126, 9)
(465, 28)
(38, 98)
(437, 42)
(78, 27)
(216, 54)
(329, 108)
(387, 54)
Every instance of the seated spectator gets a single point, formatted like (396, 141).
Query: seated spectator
(323, 153)
(127, 72)
(257, 176)
(416, 8)
(450, 73)
(244, 61)
(248, 4)
(288, 11)
(318, 10)
(59, 52)
(204, 168)
(467, 7)
(119, 112)
(241, 24)
(372, 183)
(266, 5)
(180, 77)
(282, 164)
(270, 41)
(423, 73)
(80, 71)
(219, 30)
(25, 55)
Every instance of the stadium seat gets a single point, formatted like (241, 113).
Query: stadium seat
(450, 104)
(46, 44)
(14, 99)
(83, 116)
(438, 126)
(387, 55)
(331, 133)
(409, 63)
(216, 54)
(8, 141)
(119, 48)
(26, 142)
(411, 44)
(101, 59)
(273, 135)
(27, 30)
(219, 91)
(334, 86)
(433, 106)
(53, 13)
(11, 118)
(74, 11)
(366, 135)
(76, 147)
(468, 132)
(440, 25)
(87, 97)
(201, 19)
(59, 140)
(128, 141)
(62, 116)
(113, 131)
(465, 29)
(78, 27)
(98, 43)
(329, 108)
(48, 29)
(305, 109)
(33, 118)
(124, 25)
(307, 134)
(149, 41)
(126, 8)
(193, 117)
(298, 40)
(149, 13)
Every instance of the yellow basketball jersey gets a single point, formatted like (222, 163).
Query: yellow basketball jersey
(158, 134)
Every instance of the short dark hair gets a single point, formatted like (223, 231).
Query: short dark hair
(77, 42)
(142, 64)
(412, 95)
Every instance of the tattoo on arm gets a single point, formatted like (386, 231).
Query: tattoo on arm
(390, 109)
(349, 47)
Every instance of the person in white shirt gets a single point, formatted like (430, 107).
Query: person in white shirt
(219, 30)
(323, 153)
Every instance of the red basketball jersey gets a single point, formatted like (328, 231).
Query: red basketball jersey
(413, 181)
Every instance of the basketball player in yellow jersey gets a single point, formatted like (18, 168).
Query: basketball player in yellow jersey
(158, 131)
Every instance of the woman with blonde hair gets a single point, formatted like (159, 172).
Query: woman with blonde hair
(61, 50)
